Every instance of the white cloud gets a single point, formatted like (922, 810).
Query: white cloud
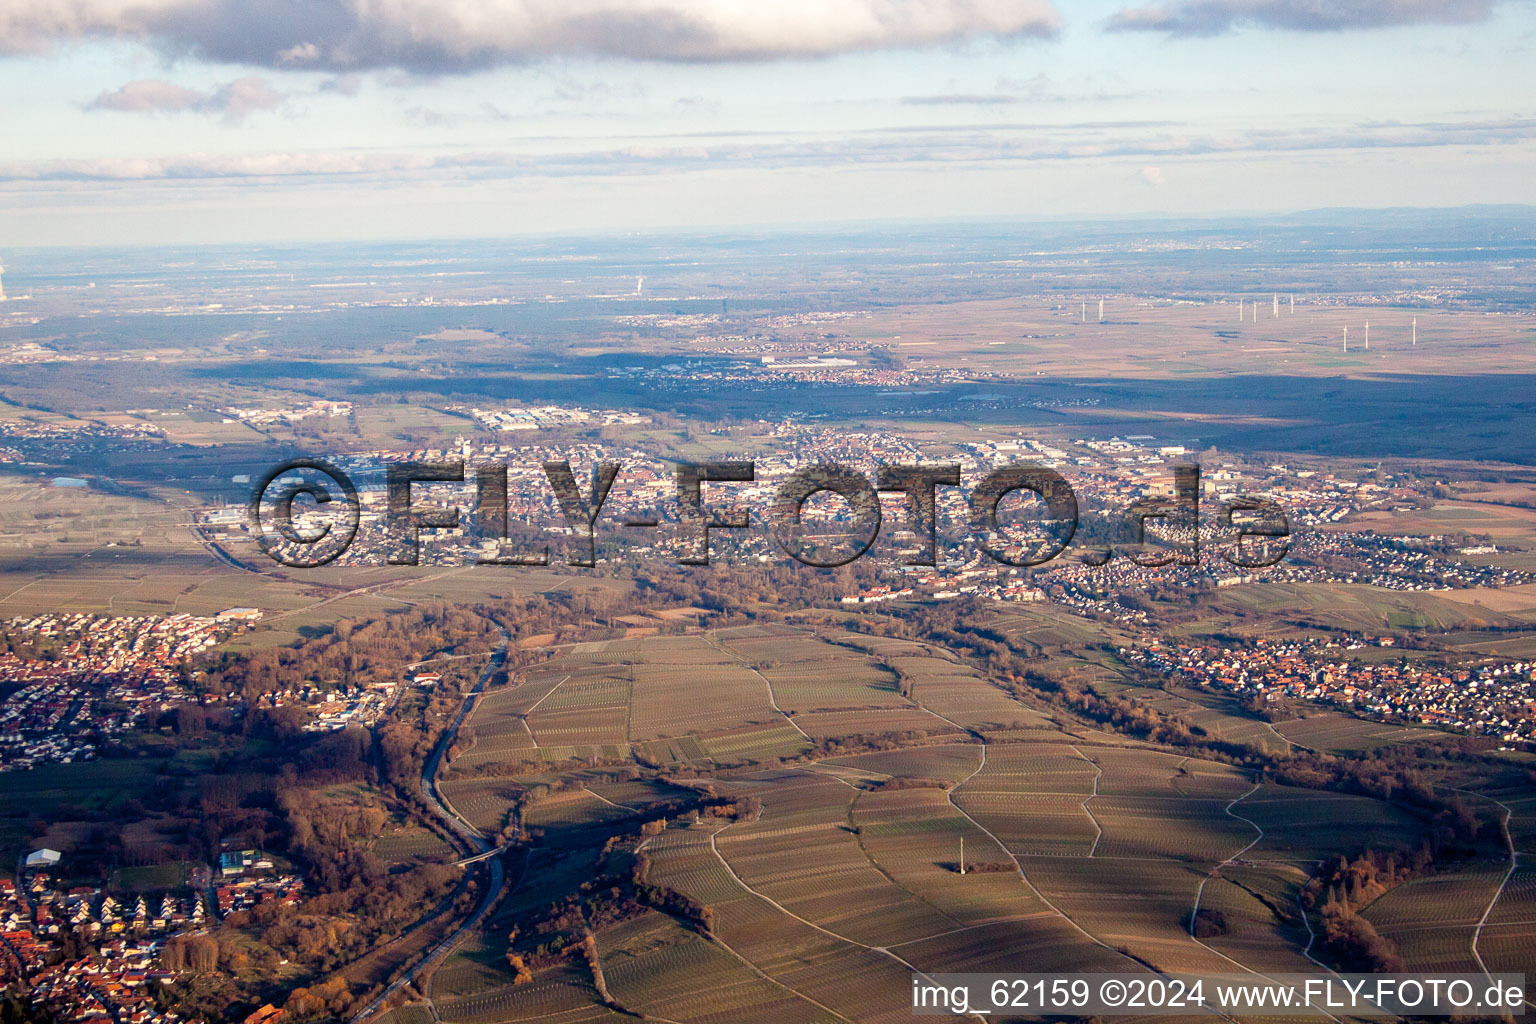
(1153, 176)
(150, 95)
(1213, 17)
(458, 35)
(233, 101)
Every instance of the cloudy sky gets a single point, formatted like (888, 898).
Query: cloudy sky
(233, 120)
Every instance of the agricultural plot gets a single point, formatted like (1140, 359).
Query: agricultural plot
(788, 648)
(1302, 826)
(881, 646)
(484, 803)
(842, 682)
(681, 749)
(475, 966)
(406, 843)
(955, 692)
(1136, 904)
(638, 793)
(590, 706)
(1049, 627)
(671, 650)
(572, 808)
(1048, 944)
(1352, 606)
(537, 684)
(589, 727)
(563, 996)
(854, 982)
(803, 854)
(499, 732)
(678, 700)
(1338, 733)
(497, 740)
(1136, 771)
(1031, 796)
(1177, 828)
(1431, 919)
(759, 631)
(914, 836)
(950, 762)
(1508, 939)
(821, 725)
(1522, 820)
(1209, 780)
(415, 1013)
(1264, 927)
(756, 745)
(1030, 824)
(656, 967)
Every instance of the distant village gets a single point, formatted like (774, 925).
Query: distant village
(1484, 700)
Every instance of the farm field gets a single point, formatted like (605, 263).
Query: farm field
(403, 844)
(656, 967)
(1304, 826)
(1214, 714)
(721, 698)
(1431, 920)
(1332, 731)
(1508, 938)
(858, 853)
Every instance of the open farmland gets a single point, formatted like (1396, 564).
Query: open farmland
(722, 698)
(1304, 826)
(1335, 732)
(1085, 850)
(950, 762)
(1264, 927)
(402, 844)
(656, 967)
(1431, 920)
(1508, 939)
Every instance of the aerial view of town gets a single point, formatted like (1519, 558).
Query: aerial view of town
(573, 513)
